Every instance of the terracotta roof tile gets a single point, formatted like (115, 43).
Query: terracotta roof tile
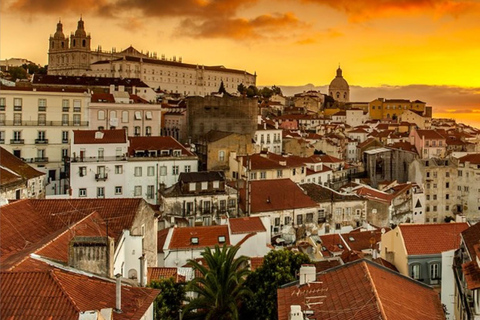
(421, 239)
(160, 273)
(273, 195)
(363, 240)
(369, 288)
(57, 294)
(207, 236)
(246, 225)
(471, 237)
(39, 79)
(430, 134)
(473, 158)
(107, 136)
(256, 262)
(161, 238)
(17, 169)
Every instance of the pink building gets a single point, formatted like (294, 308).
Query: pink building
(428, 143)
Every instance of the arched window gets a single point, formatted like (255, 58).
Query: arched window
(74, 42)
(126, 130)
(113, 114)
(84, 43)
(124, 116)
(132, 274)
(338, 95)
(101, 115)
(52, 45)
(63, 44)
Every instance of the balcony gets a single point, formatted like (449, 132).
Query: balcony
(99, 159)
(101, 176)
(2, 141)
(42, 108)
(64, 140)
(42, 159)
(41, 141)
(17, 141)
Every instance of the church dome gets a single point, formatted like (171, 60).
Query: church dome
(80, 29)
(59, 33)
(339, 83)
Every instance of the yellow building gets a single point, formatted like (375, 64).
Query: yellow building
(392, 108)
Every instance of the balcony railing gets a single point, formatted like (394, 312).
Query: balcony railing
(98, 159)
(2, 141)
(101, 176)
(42, 159)
(17, 141)
(41, 141)
(64, 140)
(44, 123)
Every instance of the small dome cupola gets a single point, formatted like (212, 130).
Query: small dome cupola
(59, 33)
(80, 29)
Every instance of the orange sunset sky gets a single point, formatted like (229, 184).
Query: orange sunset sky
(412, 49)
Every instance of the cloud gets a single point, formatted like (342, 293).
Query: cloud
(369, 9)
(260, 27)
(54, 6)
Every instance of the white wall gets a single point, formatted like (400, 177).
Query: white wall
(128, 253)
(447, 294)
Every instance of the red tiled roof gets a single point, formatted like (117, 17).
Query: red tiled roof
(363, 240)
(256, 262)
(102, 97)
(156, 143)
(160, 273)
(273, 195)
(208, 236)
(26, 222)
(246, 225)
(57, 294)
(21, 170)
(471, 237)
(421, 239)
(109, 136)
(361, 290)
(373, 194)
(430, 135)
(473, 158)
(333, 243)
(161, 238)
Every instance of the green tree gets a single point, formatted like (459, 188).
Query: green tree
(221, 287)
(170, 300)
(277, 90)
(266, 92)
(252, 91)
(241, 88)
(279, 267)
(17, 73)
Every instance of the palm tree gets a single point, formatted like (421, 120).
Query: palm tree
(220, 289)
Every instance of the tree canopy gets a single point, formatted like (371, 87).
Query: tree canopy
(221, 287)
(279, 267)
(170, 300)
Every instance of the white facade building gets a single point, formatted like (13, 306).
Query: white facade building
(36, 125)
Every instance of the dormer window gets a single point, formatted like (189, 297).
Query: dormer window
(221, 239)
(216, 184)
(99, 135)
(194, 240)
(177, 153)
(192, 186)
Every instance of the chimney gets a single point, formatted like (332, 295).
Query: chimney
(307, 273)
(142, 270)
(118, 294)
(295, 313)
(112, 88)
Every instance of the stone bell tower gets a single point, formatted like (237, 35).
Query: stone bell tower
(57, 50)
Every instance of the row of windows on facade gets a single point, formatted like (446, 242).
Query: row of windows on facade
(137, 130)
(205, 206)
(41, 136)
(125, 115)
(434, 272)
(447, 186)
(394, 107)
(41, 119)
(263, 174)
(41, 153)
(138, 171)
(276, 137)
(137, 191)
(74, 43)
(42, 104)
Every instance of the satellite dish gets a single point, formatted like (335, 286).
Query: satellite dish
(383, 230)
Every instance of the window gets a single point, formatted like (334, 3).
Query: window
(287, 220)
(204, 185)
(150, 192)
(163, 170)
(460, 172)
(216, 184)
(309, 217)
(100, 192)
(77, 105)
(428, 197)
(42, 104)
(42, 119)
(434, 197)
(64, 153)
(279, 173)
(447, 185)
(434, 272)
(175, 170)
(101, 115)
(138, 171)
(192, 186)
(136, 131)
(223, 205)
(118, 190)
(415, 271)
(138, 115)
(187, 169)
(253, 176)
(65, 119)
(17, 119)
(17, 104)
(148, 115)
(65, 105)
(428, 174)
(447, 196)
(41, 135)
(447, 174)
(2, 119)
(83, 171)
(148, 131)
(118, 169)
(232, 203)
(137, 191)
(2, 104)
(206, 206)
(150, 171)
(76, 119)
(221, 155)
(2, 136)
(64, 136)
(101, 153)
(82, 192)
(263, 175)
(299, 219)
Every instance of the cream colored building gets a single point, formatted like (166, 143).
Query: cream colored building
(74, 57)
(36, 125)
(339, 88)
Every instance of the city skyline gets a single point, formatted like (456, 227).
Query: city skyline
(411, 49)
